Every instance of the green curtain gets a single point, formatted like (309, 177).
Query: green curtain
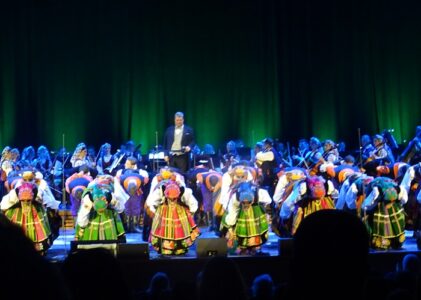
(110, 71)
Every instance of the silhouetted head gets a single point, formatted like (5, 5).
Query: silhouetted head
(411, 263)
(100, 268)
(262, 287)
(160, 283)
(330, 245)
(221, 274)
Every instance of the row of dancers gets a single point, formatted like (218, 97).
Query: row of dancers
(238, 203)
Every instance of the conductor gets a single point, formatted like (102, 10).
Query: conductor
(178, 142)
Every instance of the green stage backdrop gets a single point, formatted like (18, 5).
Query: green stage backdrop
(109, 71)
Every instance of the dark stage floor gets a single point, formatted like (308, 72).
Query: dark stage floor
(61, 246)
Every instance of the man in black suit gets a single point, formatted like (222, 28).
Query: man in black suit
(178, 142)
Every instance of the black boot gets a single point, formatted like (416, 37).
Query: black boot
(147, 224)
(131, 224)
(137, 228)
(209, 218)
(125, 220)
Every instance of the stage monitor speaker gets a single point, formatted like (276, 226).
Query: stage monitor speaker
(285, 247)
(83, 245)
(133, 251)
(208, 247)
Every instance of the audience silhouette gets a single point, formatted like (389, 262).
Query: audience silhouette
(330, 257)
(159, 287)
(221, 279)
(25, 274)
(95, 274)
(262, 288)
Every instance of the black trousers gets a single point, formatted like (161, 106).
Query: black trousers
(180, 162)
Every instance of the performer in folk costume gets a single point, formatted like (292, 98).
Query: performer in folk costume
(246, 219)
(13, 179)
(210, 186)
(237, 174)
(352, 193)
(287, 179)
(192, 182)
(26, 205)
(50, 203)
(98, 217)
(411, 182)
(167, 173)
(337, 174)
(75, 186)
(230, 179)
(383, 213)
(308, 195)
(173, 227)
(130, 181)
(394, 171)
(164, 175)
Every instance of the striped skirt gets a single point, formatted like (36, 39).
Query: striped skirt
(251, 228)
(386, 225)
(173, 229)
(33, 219)
(309, 206)
(105, 226)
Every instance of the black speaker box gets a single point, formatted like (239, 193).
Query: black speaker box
(285, 247)
(133, 251)
(84, 245)
(208, 247)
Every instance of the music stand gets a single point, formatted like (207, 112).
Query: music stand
(157, 157)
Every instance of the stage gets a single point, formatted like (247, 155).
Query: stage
(61, 246)
(184, 269)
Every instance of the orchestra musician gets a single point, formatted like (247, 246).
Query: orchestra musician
(105, 159)
(230, 158)
(412, 152)
(269, 161)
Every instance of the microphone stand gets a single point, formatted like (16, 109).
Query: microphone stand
(360, 147)
(154, 153)
(63, 198)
